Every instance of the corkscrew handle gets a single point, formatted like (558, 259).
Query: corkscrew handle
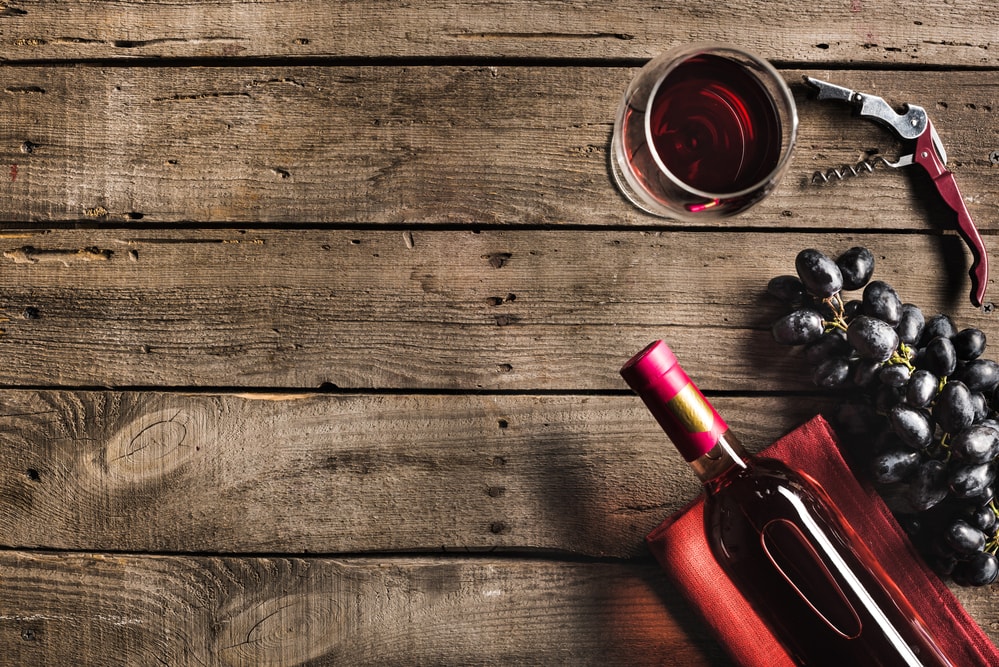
(926, 156)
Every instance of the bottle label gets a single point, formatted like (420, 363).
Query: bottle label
(696, 426)
(692, 410)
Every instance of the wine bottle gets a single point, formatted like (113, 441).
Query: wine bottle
(778, 536)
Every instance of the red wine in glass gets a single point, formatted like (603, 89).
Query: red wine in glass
(714, 126)
(702, 133)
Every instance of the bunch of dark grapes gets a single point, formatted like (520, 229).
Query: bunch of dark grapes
(920, 409)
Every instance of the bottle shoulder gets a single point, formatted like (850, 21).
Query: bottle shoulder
(758, 471)
(765, 487)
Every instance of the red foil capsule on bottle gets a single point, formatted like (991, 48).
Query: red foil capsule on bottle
(677, 404)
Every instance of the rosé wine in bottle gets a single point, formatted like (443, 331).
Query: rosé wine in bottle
(782, 542)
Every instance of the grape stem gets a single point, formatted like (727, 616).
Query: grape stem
(838, 309)
(902, 355)
(992, 546)
(944, 443)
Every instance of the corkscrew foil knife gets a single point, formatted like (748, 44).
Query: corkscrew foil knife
(928, 152)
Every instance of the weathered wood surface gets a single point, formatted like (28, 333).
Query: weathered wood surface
(425, 309)
(316, 473)
(313, 313)
(275, 611)
(497, 145)
(877, 32)
(322, 611)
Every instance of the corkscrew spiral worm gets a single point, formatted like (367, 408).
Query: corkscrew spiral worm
(849, 170)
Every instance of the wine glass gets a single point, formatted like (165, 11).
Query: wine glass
(704, 131)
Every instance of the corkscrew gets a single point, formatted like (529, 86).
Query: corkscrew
(928, 152)
(865, 166)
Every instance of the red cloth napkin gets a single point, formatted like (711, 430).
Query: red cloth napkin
(681, 548)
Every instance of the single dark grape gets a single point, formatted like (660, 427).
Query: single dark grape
(872, 338)
(921, 388)
(983, 497)
(964, 538)
(928, 486)
(864, 372)
(980, 570)
(788, 289)
(857, 266)
(820, 275)
(887, 397)
(982, 518)
(979, 375)
(987, 521)
(969, 343)
(913, 427)
(939, 356)
(833, 372)
(828, 345)
(981, 406)
(881, 301)
(798, 327)
(953, 408)
(910, 325)
(968, 481)
(976, 444)
(938, 325)
(990, 422)
(894, 465)
(852, 308)
(895, 375)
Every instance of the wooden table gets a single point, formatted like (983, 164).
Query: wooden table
(314, 312)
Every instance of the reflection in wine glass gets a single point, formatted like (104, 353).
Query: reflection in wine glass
(703, 131)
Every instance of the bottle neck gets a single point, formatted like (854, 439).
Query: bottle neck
(714, 465)
(677, 404)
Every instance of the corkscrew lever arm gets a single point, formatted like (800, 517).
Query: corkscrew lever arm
(914, 124)
(930, 159)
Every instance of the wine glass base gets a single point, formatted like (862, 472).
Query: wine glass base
(621, 180)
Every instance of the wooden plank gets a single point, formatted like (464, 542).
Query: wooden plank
(457, 310)
(145, 471)
(438, 145)
(92, 609)
(875, 32)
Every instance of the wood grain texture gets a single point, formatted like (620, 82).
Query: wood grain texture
(876, 32)
(459, 310)
(89, 609)
(213, 208)
(497, 145)
(145, 471)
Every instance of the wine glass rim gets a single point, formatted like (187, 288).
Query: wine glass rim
(682, 54)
